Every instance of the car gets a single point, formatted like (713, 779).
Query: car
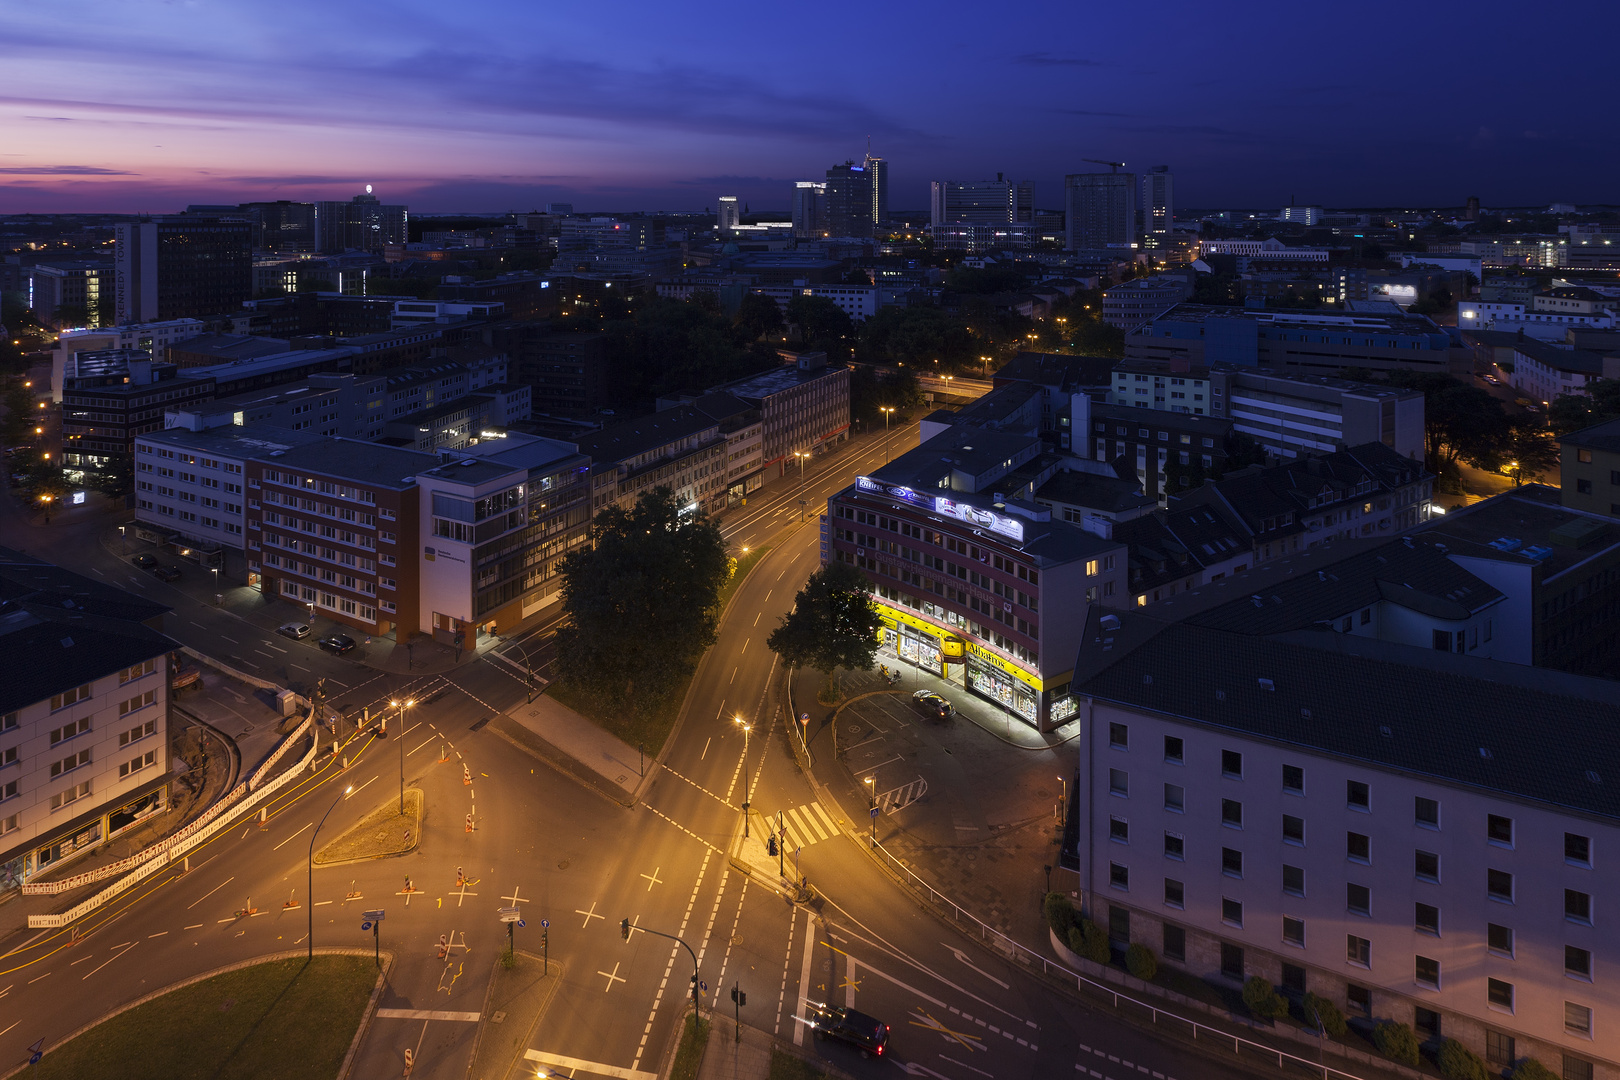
(1532, 408)
(166, 573)
(337, 643)
(866, 1033)
(933, 704)
(145, 562)
(1493, 380)
(296, 630)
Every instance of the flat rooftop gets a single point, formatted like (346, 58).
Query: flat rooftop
(351, 459)
(1525, 526)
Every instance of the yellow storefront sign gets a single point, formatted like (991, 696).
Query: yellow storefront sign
(951, 645)
(1005, 665)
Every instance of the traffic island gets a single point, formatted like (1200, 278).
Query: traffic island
(380, 834)
(520, 990)
(289, 1019)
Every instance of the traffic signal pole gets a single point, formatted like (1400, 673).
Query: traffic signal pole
(624, 931)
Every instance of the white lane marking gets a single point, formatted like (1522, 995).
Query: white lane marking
(294, 836)
(581, 1065)
(347, 797)
(87, 974)
(419, 745)
(960, 955)
(804, 981)
(278, 648)
(426, 1014)
(210, 892)
(160, 933)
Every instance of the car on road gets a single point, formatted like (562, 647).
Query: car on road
(1493, 380)
(1532, 408)
(337, 643)
(866, 1033)
(296, 630)
(166, 573)
(932, 704)
(144, 562)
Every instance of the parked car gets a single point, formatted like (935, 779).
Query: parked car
(337, 643)
(166, 573)
(932, 704)
(1493, 380)
(1532, 408)
(866, 1033)
(296, 630)
(145, 562)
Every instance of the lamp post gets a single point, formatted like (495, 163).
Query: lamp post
(309, 891)
(887, 411)
(871, 809)
(803, 457)
(746, 728)
(402, 706)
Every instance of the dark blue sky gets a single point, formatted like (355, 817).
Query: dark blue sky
(487, 105)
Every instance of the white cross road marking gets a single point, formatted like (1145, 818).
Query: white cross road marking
(652, 878)
(612, 977)
(515, 898)
(804, 825)
(589, 915)
(592, 1067)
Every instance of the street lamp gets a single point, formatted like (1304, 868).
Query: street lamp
(309, 891)
(402, 706)
(803, 457)
(871, 809)
(887, 411)
(746, 729)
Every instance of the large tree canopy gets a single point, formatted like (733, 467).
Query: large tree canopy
(832, 625)
(642, 600)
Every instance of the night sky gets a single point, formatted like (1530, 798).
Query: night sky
(482, 105)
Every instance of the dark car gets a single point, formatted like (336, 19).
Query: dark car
(337, 643)
(867, 1033)
(145, 562)
(166, 573)
(932, 704)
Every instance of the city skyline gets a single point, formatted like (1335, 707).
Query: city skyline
(148, 109)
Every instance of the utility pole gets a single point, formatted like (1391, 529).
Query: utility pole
(402, 706)
(746, 728)
(871, 807)
(887, 411)
(697, 1004)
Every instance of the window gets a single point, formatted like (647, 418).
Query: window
(1232, 961)
(1175, 797)
(1174, 845)
(1119, 876)
(1293, 976)
(1294, 880)
(1294, 779)
(1173, 750)
(1232, 764)
(140, 731)
(71, 795)
(69, 763)
(1428, 866)
(1119, 736)
(1577, 962)
(1577, 1019)
(1578, 906)
(1577, 1069)
(1358, 950)
(130, 674)
(1232, 813)
(1231, 862)
(1358, 998)
(1358, 899)
(1427, 971)
(1499, 830)
(136, 764)
(135, 704)
(1501, 1050)
(1499, 939)
(1427, 919)
(1119, 782)
(1356, 795)
(1231, 911)
(1577, 849)
(1293, 931)
(1293, 829)
(1426, 812)
(1499, 994)
(1119, 829)
(1175, 894)
(63, 700)
(70, 730)
(1427, 1022)
(1499, 885)
(1175, 943)
(1119, 925)
(1358, 847)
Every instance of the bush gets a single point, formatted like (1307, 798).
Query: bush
(1059, 914)
(1398, 1042)
(1457, 1062)
(1320, 1008)
(1096, 942)
(1263, 1000)
(1531, 1069)
(1140, 962)
(1077, 940)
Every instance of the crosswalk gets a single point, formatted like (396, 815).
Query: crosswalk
(804, 825)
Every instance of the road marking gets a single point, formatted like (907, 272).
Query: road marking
(969, 1068)
(278, 648)
(194, 926)
(160, 933)
(427, 1014)
(419, 745)
(47, 975)
(757, 614)
(261, 652)
(960, 955)
(230, 639)
(612, 977)
(87, 974)
(321, 903)
(581, 1065)
(209, 893)
(733, 676)
(350, 795)
(804, 978)
(81, 960)
(311, 825)
(589, 915)
(515, 898)
(652, 878)
(706, 743)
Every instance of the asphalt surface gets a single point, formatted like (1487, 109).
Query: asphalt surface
(565, 854)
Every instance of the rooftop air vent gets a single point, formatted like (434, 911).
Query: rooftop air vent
(277, 453)
(1304, 714)
(1485, 753)
(407, 479)
(468, 461)
(1593, 777)
(1383, 729)
(1220, 695)
(1267, 684)
(67, 643)
(1110, 622)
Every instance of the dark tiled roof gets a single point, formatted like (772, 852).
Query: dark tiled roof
(632, 438)
(1067, 373)
(1598, 437)
(27, 581)
(1110, 494)
(1337, 695)
(64, 649)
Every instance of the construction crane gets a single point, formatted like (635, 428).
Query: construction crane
(1117, 165)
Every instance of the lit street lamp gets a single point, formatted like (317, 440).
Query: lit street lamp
(746, 729)
(887, 411)
(309, 891)
(871, 808)
(803, 457)
(402, 706)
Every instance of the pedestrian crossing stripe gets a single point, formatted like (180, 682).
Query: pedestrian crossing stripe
(804, 825)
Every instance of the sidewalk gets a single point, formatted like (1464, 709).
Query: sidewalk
(564, 738)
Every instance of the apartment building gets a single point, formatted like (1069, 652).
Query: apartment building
(680, 448)
(1589, 469)
(1545, 371)
(84, 715)
(1359, 819)
(1135, 303)
(804, 407)
(110, 397)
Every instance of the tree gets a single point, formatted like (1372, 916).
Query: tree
(1263, 1000)
(1600, 404)
(1460, 421)
(833, 624)
(1457, 1062)
(818, 319)
(1398, 1042)
(1531, 448)
(1323, 1011)
(759, 315)
(642, 600)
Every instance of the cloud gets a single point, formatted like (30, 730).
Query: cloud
(62, 170)
(1090, 112)
(1046, 59)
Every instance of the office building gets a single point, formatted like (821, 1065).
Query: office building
(1167, 451)
(1139, 301)
(1301, 215)
(981, 202)
(181, 266)
(1268, 250)
(1156, 202)
(1100, 211)
(84, 715)
(111, 396)
(804, 408)
(1295, 415)
(682, 449)
(1355, 818)
(855, 202)
(566, 373)
(72, 292)
(283, 225)
(153, 339)
(729, 215)
(364, 223)
(808, 198)
(1589, 469)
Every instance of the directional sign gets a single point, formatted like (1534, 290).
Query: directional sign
(365, 926)
(521, 923)
(374, 916)
(36, 1051)
(510, 914)
(545, 924)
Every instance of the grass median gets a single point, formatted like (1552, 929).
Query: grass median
(285, 1020)
(383, 832)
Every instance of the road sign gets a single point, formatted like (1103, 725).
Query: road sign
(510, 914)
(365, 926)
(545, 924)
(35, 1052)
(374, 916)
(804, 718)
(521, 923)
(874, 811)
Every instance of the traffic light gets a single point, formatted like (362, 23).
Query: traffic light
(739, 996)
(624, 929)
(543, 936)
(770, 845)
